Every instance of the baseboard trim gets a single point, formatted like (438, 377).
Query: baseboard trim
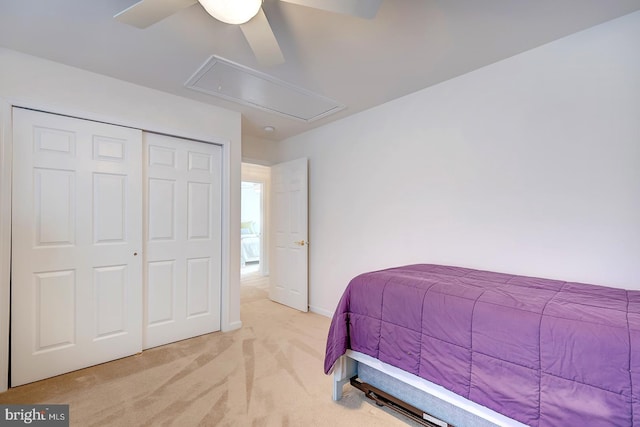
(321, 311)
(233, 326)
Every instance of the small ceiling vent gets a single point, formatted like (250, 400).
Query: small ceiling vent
(233, 82)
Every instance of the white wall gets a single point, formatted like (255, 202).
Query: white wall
(258, 151)
(529, 166)
(36, 83)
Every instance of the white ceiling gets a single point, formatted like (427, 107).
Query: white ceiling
(360, 63)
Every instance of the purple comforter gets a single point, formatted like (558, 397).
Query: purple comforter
(543, 352)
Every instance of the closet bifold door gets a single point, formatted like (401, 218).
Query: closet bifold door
(182, 264)
(76, 275)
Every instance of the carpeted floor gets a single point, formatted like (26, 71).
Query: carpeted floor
(269, 373)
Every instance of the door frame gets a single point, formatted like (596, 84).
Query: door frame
(6, 131)
(155, 126)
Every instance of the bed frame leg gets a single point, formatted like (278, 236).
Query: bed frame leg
(344, 369)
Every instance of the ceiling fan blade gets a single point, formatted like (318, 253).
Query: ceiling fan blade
(262, 40)
(360, 8)
(148, 12)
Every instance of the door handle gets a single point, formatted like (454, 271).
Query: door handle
(301, 243)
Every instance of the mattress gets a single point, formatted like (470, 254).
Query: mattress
(543, 352)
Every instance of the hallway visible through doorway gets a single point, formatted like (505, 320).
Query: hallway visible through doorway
(253, 220)
(251, 226)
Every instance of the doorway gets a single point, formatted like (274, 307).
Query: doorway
(254, 221)
(283, 213)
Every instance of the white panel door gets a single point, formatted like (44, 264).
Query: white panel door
(289, 254)
(76, 275)
(182, 238)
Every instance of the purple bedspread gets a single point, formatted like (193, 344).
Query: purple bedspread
(543, 352)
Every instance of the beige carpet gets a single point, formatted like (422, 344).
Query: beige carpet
(269, 373)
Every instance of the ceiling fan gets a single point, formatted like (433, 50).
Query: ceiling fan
(246, 13)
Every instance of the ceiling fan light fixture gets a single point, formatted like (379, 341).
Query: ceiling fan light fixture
(232, 11)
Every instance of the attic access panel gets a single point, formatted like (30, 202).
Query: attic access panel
(234, 82)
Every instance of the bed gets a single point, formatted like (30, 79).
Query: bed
(510, 349)
(249, 243)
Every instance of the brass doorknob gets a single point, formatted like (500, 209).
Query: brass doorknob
(301, 243)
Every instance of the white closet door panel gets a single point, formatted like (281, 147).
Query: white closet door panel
(162, 203)
(198, 279)
(111, 300)
(161, 292)
(109, 208)
(54, 308)
(182, 238)
(76, 227)
(198, 210)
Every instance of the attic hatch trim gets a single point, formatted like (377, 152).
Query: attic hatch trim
(234, 82)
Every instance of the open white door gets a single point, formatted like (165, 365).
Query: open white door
(289, 224)
(76, 241)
